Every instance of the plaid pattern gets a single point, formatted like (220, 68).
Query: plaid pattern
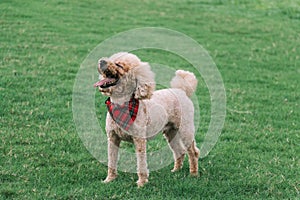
(125, 114)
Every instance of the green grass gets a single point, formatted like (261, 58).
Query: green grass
(254, 43)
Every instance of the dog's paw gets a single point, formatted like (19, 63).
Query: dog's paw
(194, 173)
(175, 169)
(109, 179)
(141, 182)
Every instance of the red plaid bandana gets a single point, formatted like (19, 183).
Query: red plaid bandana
(125, 114)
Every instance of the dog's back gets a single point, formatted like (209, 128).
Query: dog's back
(173, 105)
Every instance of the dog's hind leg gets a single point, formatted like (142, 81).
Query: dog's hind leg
(175, 143)
(193, 153)
(113, 149)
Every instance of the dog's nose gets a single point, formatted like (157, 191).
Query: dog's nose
(103, 65)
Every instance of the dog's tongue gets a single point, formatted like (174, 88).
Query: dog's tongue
(99, 83)
(103, 82)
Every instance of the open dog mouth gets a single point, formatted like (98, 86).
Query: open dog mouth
(106, 82)
(109, 72)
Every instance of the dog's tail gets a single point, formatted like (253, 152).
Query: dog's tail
(186, 81)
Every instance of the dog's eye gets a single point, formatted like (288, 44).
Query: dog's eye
(119, 65)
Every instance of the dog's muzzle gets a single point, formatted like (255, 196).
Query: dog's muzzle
(102, 65)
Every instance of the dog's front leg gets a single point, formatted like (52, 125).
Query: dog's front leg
(113, 149)
(140, 149)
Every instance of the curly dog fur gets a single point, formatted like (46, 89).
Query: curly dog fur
(123, 76)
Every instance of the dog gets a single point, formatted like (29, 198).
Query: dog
(136, 112)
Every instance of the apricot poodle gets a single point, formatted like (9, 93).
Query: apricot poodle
(136, 112)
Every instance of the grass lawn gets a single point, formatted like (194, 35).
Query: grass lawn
(255, 45)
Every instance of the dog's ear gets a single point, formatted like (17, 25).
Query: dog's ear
(145, 81)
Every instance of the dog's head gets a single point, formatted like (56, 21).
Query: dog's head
(123, 74)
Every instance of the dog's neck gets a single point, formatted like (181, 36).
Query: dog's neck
(121, 99)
